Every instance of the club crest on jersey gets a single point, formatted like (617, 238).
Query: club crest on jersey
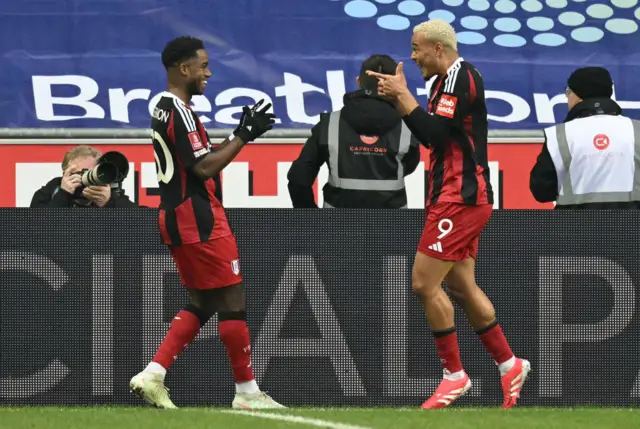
(447, 106)
(235, 267)
(196, 143)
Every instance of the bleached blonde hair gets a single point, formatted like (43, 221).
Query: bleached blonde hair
(438, 30)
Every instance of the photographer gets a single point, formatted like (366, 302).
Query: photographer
(68, 191)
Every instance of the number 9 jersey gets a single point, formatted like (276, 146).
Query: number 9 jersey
(190, 211)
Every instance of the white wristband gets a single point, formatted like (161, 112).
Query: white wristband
(231, 136)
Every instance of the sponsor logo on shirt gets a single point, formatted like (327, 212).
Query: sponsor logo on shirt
(369, 139)
(369, 147)
(196, 143)
(447, 106)
(601, 141)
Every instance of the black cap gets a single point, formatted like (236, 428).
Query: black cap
(591, 82)
(377, 63)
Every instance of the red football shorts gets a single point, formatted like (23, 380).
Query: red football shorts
(452, 231)
(209, 265)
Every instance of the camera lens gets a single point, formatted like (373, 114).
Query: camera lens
(100, 175)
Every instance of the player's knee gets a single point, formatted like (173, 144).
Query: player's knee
(202, 315)
(228, 331)
(422, 288)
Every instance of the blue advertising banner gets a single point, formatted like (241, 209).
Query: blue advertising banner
(96, 63)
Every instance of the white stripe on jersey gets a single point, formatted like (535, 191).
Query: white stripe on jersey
(187, 118)
(452, 76)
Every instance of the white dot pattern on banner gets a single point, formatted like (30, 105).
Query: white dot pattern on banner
(621, 26)
(510, 40)
(624, 4)
(474, 22)
(442, 14)
(587, 34)
(479, 5)
(531, 5)
(557, 4)
(471, 38)
(507, 25)
(540, 23)
(571, 19)
(411, 8)
(394, 22)
(360, 9)
(505, 6)
(600, 11)
(549, 39)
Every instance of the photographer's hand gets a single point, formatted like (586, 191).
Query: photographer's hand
(71, 179)
(100, 195)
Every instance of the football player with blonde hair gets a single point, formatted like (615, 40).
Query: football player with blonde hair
(460, 203)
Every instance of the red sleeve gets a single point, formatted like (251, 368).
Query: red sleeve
(189, 145)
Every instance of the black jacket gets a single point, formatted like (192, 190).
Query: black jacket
(368, 115)
(543, 180)
(51, 195)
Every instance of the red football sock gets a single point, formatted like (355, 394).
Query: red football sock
(235, 336)
(447, 346)
(496, 344)
(184, 328)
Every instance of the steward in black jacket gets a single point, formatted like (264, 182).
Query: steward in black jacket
(366, 146)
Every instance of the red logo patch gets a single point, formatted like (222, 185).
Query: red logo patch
(369, 139)
(194, 138)
(601, 141)
(447, 106)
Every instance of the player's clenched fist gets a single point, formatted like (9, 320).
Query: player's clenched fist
(71, 179)
(254, 122)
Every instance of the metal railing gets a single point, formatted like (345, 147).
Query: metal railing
(142, 136)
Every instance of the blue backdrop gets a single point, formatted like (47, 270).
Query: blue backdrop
(96, 63)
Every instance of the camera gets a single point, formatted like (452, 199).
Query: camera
(112, 168)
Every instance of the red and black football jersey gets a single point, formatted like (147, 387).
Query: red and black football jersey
(459, 171)
(190, 212)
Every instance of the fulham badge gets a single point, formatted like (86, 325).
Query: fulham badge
(235, 267)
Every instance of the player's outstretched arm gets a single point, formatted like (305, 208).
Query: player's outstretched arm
(253, 124)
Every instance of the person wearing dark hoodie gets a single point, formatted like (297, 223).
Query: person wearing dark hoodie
(592, 159)
(366, 146)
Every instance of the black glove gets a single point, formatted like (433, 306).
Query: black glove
(254, 122)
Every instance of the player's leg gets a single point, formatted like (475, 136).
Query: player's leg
(225, 293)
(440, 246)
(482, 317)
(428, 274)
(185, 326)
(230, 304)
(460, 282)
